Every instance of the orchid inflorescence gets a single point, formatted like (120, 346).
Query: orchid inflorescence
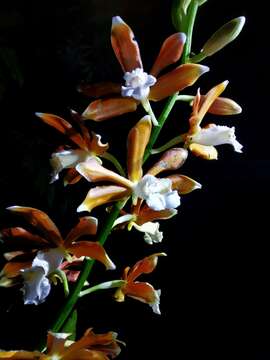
(39, 256)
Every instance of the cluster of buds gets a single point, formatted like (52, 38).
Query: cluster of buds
(40, 257)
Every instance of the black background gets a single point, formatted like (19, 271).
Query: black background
(215, 280)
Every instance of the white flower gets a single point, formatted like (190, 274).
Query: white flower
(155, 305)
(36, 283)
(67, 159)
(158, 193)
(137, 84)
(217, 135)
(151, 232)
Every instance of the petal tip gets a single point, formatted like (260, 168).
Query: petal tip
(182, 37)
(117, 20)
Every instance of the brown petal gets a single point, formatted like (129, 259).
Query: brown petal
(141, 291)
(41, 221)
(71, 177)
(209, 98)
(144, 266)
(204, 151)
(64, 127)
(20, 355)
(224, 106)
(87, 226)
(100, 110)
(93, 250)
(176, 80)
(172, 159)
(183, 184)
(126, 49)
(138, 138)
(100, 89)
(20, 237)
(92, 171)
(102, 195)
(12, 269)
(146, 214)
(170, 52)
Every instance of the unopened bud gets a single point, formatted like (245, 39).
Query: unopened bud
(223, 36)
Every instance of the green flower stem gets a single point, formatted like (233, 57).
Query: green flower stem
(103, 286)
(175, 141)
(192, 12)
(147, 107)
(115, 162)
(187, 98)
(88, 264)
(197, 58)
(161, 121)
(191, 16)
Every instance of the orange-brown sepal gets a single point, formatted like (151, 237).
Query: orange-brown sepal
(126, 49)
(87, 226)
(138, 139)
(170, 52)
(101, 110)
(100, 89)
(172, 159)
(183, 184)
(204, 151)
(176, 80)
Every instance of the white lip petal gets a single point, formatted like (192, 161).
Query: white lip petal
(157, 193)
(217, 135)
(151, 232)
(36, 285)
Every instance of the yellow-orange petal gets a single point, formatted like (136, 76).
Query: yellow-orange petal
(41, 221)
(87, 225)
(209, 98)
(176, 80)
(19, 237)
(147, 214)
(21, 355)
(13, 268)
(100, 110)
(138, 139)
(170, 52)
(144, 266)
(204, 151)
(102, 195)
(124, 45)
(172, 159)
(100, 89)
(183, 184)
(92, 171)
(224, 106)
(141, 291)
(64, 127)
(93, 250)
(71, 177)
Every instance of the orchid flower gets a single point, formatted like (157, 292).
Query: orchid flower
(202, 140)
(158, 193)
(140, 87)
(91, 346)
(141, 291)
(141, 217)
(88, 146)
(38, 256)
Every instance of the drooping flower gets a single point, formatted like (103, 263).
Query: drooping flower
(91, 346)
(36, 256)
(88, 146)
(140, 87)
(158, 193)
(202, 141)
(138, 290)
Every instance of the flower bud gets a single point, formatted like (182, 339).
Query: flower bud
(223, 36)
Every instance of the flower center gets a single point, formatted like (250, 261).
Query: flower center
(137, 84)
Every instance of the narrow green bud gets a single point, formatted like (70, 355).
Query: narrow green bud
(223, 36)
(179, 12)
